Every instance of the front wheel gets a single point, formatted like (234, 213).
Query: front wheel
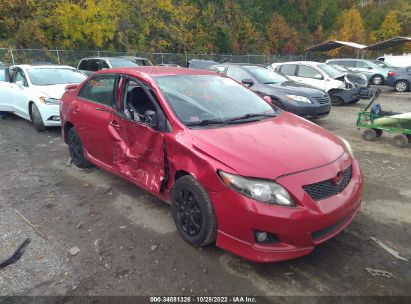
(193, 212)
(401, 86)
(76, 149)
(36, 118)
(337, 100)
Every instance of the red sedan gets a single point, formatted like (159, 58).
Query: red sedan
(259, 182)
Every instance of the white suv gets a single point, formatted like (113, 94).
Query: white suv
(34, 92)
(316, 74)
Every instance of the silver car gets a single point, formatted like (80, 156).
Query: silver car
(375, 74)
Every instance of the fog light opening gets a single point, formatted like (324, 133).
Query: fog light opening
(54, 118)
(262, 237)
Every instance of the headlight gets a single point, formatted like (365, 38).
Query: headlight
(260, 190)
(298, 98)
(49, 101)
(347, 145)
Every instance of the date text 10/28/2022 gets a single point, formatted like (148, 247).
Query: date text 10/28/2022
(203, 299)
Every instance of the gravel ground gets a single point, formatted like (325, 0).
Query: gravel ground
(129, 246)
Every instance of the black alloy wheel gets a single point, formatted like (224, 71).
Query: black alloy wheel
(193, 212)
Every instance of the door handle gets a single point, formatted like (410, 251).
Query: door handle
(115, 124)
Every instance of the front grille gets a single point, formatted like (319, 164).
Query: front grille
(328, 188)
(322, 99)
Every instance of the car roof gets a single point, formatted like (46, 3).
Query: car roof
(40, 66)
(111, 58)
(298, 62)
(157, 71)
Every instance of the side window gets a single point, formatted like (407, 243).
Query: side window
(307, 72)
(93, 65)
(100, 89)
(362, 65)
(288, 69)
(84, 65)
(348, 63)
(137, 104)
(103, 65)
(19, 78)
(237, 74)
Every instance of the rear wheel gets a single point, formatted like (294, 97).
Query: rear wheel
(76, 149)
(369, 134)
(377, 80)
(36, 118)
(193, 212)
(400, 140)
(401, 86)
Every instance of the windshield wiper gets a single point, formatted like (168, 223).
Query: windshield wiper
(271, 82)
(233, 120)
(250, 115)
(206, 122)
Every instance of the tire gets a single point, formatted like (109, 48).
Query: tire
(377, 80)
(400, 140)
(369, 134)
(193, 212)
(76, 149)
(36, 118)
(337, 100)
(401, 86)
(355, 101)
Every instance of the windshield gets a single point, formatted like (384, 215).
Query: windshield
(339, 68)
(203, 99)
(329, 70)
(122, 63)
(265, 76)
(53, 76)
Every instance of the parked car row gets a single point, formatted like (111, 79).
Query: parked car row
(186, 136)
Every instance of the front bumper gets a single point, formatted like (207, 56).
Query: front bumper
(50, 115)
(298, 229)
(308, 111)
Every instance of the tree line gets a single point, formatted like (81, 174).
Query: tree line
(200, 26)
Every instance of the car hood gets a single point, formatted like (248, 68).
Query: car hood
(52, 91)
(270, 148)
(296, 88)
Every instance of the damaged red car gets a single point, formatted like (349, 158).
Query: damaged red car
(259, 182)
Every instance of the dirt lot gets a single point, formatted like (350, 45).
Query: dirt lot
(129, 246)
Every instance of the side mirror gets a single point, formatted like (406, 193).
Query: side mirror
(71, 87)
(318, 76)
(248, 82)
(151, 118)
(268, 99)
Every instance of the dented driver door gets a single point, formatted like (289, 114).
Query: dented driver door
(138, 152)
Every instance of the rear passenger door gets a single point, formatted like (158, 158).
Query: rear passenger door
(91, 111)
(288, 70)
(310, 76)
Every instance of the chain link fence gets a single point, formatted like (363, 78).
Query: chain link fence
(12, 56)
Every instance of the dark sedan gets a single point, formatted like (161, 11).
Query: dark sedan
(286, 94)
(399, 78)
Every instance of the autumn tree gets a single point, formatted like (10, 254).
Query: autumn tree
(390, 27)
(85, 23)
(281, 38)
